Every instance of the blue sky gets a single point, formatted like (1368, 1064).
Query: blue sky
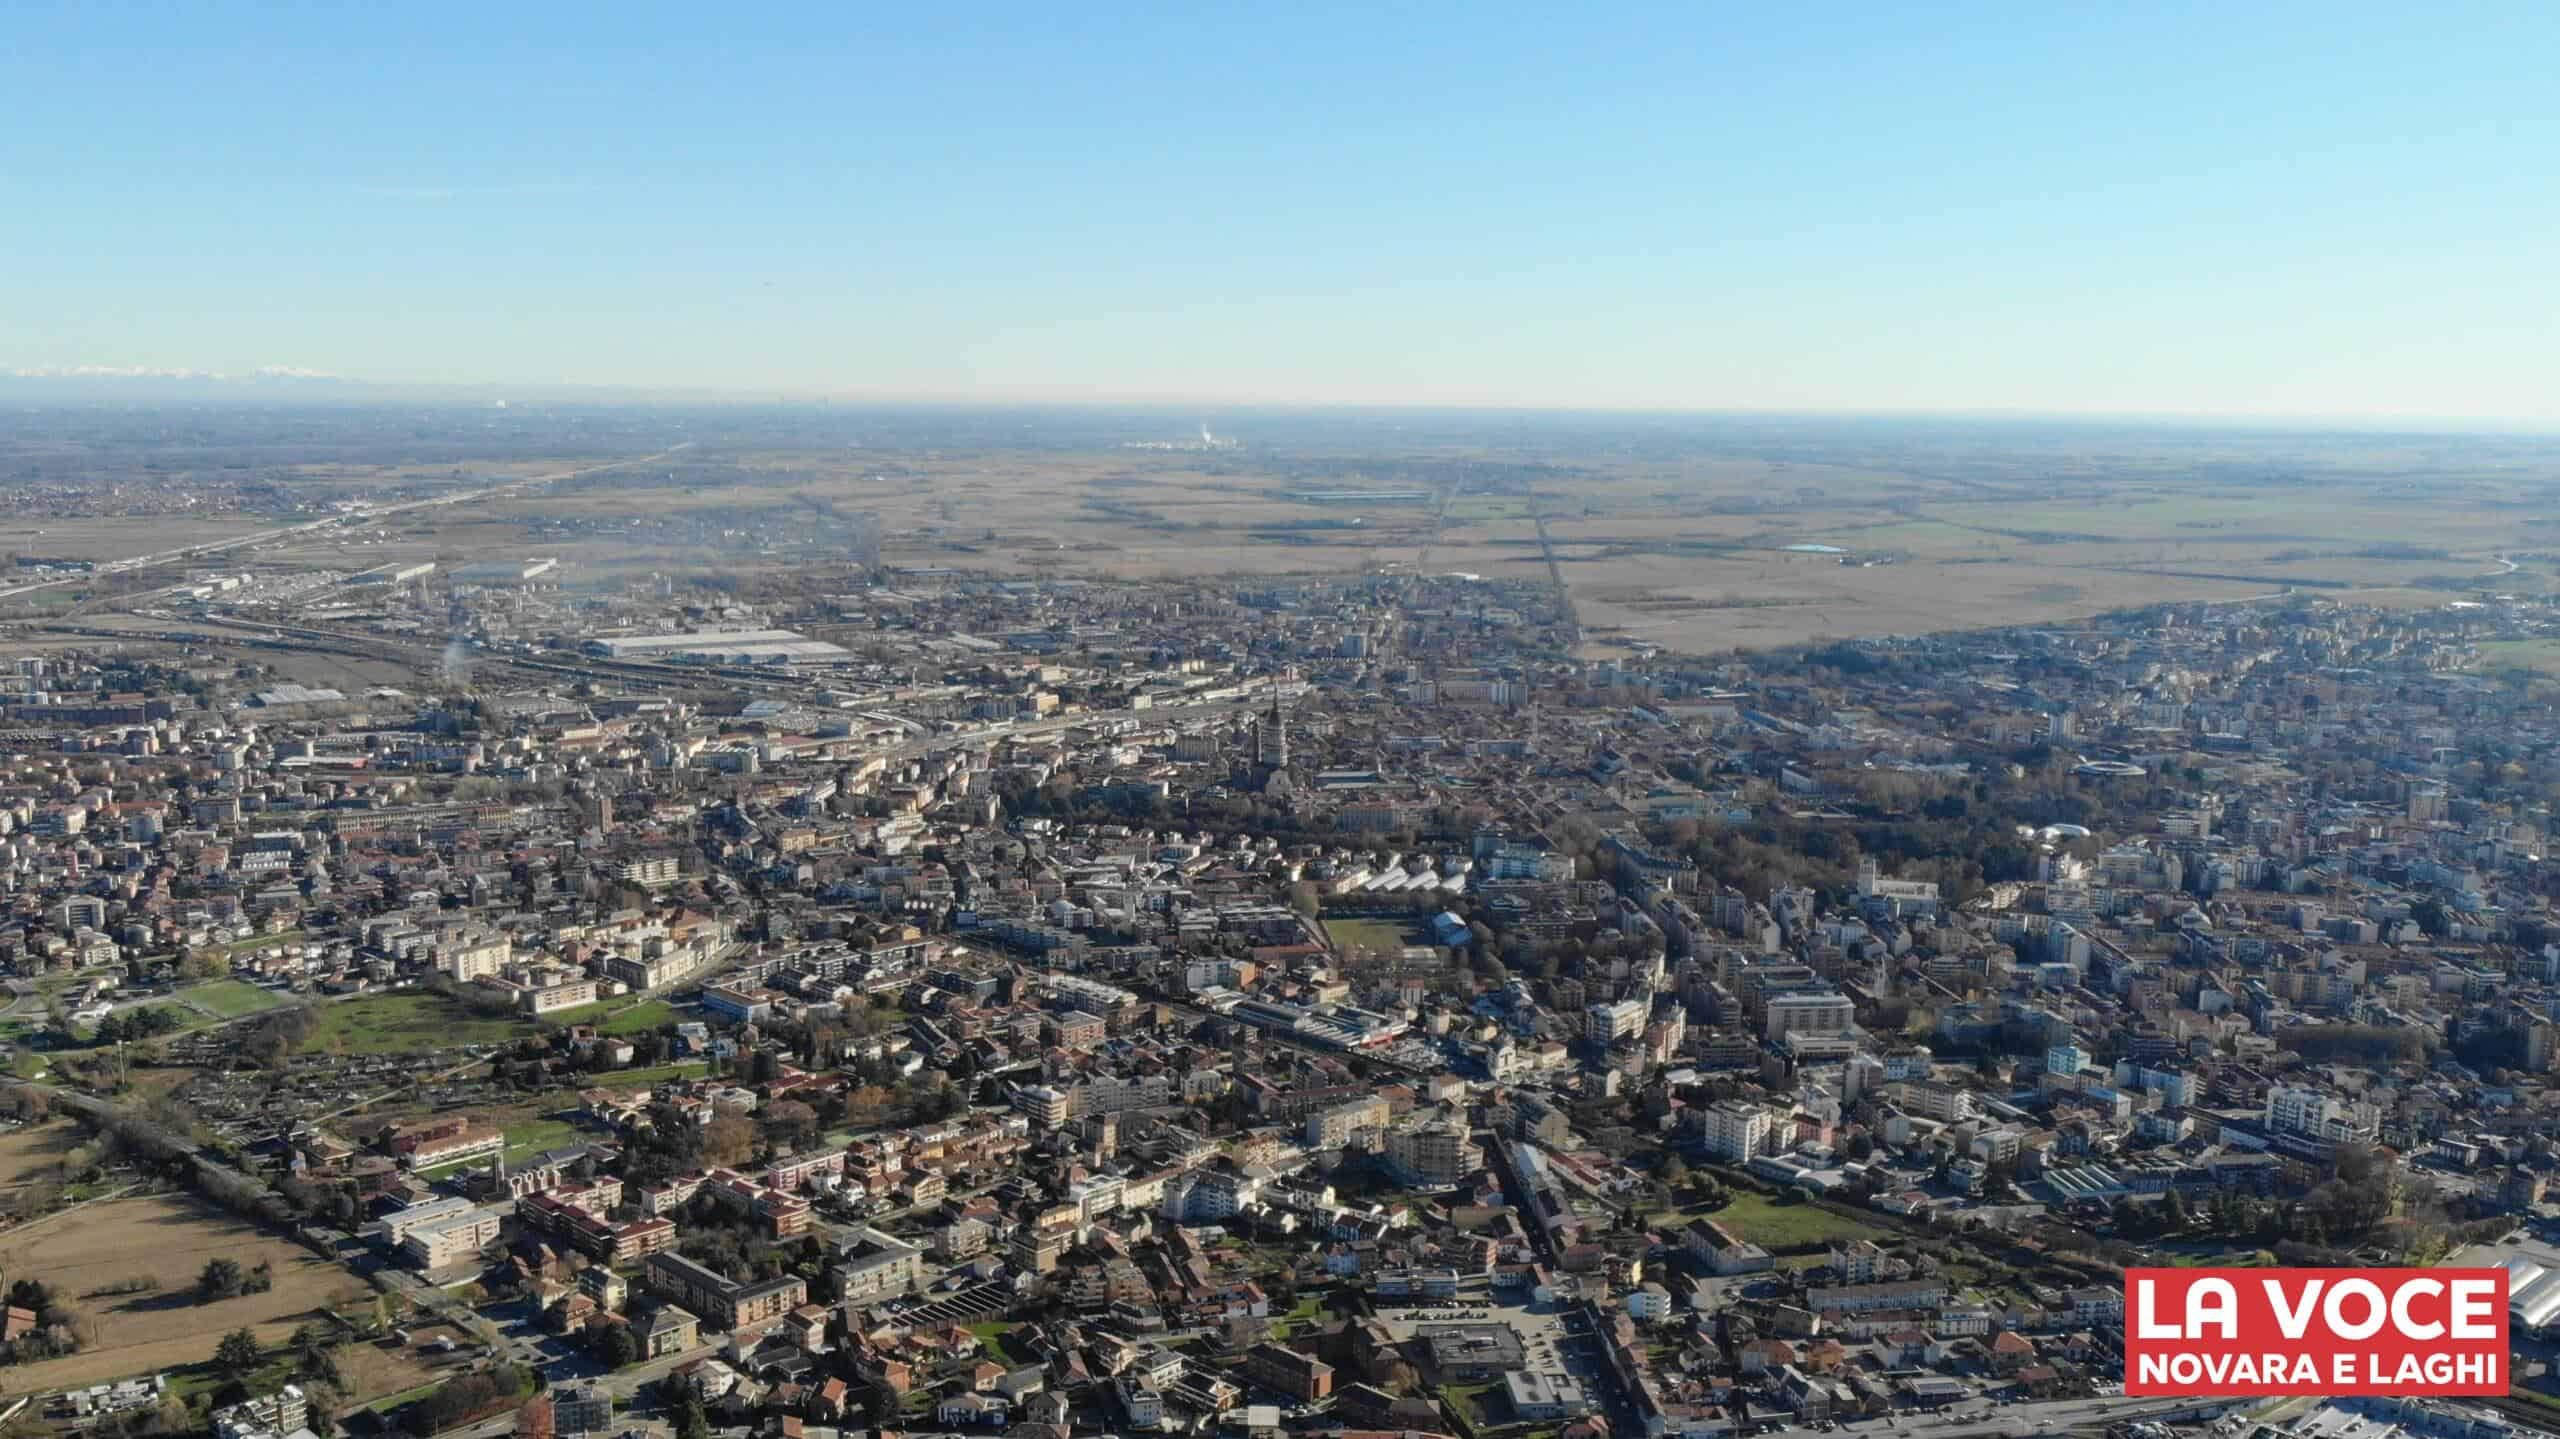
(2343, 209)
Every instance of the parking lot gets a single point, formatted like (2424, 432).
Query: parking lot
(1535, 1324)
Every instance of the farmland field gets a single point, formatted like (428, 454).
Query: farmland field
(166, 1240)
(1693, 553)
(31, 1154)
(1694, 534)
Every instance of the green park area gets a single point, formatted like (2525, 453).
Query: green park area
(2542, 656)
(394, 1023)
(1776, 1225)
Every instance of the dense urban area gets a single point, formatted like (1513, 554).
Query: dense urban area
(480, 990)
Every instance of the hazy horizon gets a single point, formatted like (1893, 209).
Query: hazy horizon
(2181, 213)
(247, 390)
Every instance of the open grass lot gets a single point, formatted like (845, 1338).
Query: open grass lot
(1481, 1403)
(2541, 656)
(618, 1016)
(167, 1240)
(1772, 1225)
(108, 537)
(392, 1023)
(536, 1135)
(232, 998)
(1370, 934)
(641, 1018)
(994, 1334)
(1308, 1311)
(31, 1154)
(374, 1370)
(642, 1078)
(379, 1375)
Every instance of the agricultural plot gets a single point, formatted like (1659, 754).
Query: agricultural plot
(88, 1253)
(32, 1154)
(1695, 537)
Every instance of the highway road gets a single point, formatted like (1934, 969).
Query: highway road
(281, 532)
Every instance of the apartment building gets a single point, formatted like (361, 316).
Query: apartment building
(723, 1303)
(451, 1241)
(1738, 1133)
(434, 1142)
(1862, 1298)
(564, 994)
(592, 1233)
(1807, 1012)
(396, 1226)
(1284, 1370)
(806, 1172)
(1433, 1150)
(1335, 1127)
(785, 1215)
(877, 1267)
(2311, 1114)
(1611, 1023)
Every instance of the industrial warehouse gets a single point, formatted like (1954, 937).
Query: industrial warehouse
(2533, 1280)
(723, 647)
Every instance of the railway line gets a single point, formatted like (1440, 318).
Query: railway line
(368, 515)
(427, 657)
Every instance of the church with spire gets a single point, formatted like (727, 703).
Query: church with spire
(1269, 771)
(1271, 738)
